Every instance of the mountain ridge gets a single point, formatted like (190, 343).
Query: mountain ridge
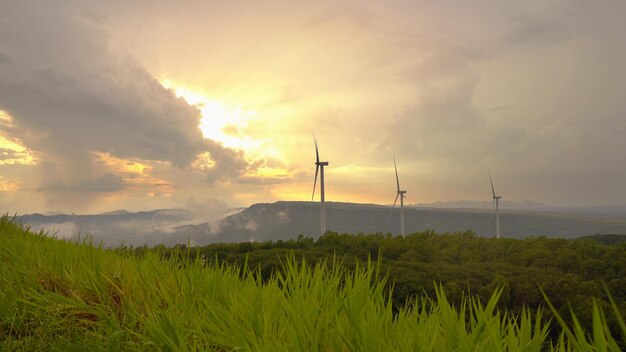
(283, 220)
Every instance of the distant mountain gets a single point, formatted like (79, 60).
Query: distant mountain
(285, 220)
(116, 212)
(159, 215)
(528, 205)
(476, 204)
(114, 228)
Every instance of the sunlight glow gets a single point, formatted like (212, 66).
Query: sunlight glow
(4, 117)
(136, 174)
(219, 122)
(12, 152)
(124, 166)
(203, 162)
(8, 186)
(273, 172)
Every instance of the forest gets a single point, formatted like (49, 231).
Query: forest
(571, 273)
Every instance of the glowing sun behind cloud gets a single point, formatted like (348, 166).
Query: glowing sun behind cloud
(219, 122)
(232, 124)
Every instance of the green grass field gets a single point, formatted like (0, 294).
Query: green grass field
(65, 296)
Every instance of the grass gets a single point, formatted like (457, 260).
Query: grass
(65, 296)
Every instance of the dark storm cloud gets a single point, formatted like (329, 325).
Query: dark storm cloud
(68, 87)
(69, 95)
(116, 107)
(230, 164)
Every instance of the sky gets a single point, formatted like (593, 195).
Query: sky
(213, 104)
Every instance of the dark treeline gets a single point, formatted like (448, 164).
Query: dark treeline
(571, 272)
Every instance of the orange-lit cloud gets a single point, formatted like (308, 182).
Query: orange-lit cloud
(137, 174)
(204, 162)
(119, 165)
(12, 151)
(8, 186)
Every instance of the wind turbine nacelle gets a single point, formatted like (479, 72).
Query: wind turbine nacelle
(322, 163)
(402, 192)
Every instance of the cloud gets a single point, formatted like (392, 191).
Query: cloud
(70, 96)
(346, 13)
(8, 186)
(5, 59)
(11, 156)
(559, 129)
(549, 25)
(202, 205)
(443, 121)
(112, 105)
(229, 164)
(422, 80)
(66, 230)
(105, 183)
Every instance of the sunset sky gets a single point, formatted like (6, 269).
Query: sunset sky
(165, 104)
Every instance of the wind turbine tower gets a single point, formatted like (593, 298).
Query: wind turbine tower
(496, 200)
(319, 167)
(399, 194)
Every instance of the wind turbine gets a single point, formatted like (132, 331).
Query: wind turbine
(319, 166)
(496, 200)
(399, 194)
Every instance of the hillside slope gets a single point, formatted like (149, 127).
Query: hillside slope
(285, 220)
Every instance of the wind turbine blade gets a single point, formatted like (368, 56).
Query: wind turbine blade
(394, 204)
(317, 168)
(317, 153)
(492, 189)
(396, 167)
(493, 204)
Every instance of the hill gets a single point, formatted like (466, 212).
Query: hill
(114, 228)
(285, 220)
